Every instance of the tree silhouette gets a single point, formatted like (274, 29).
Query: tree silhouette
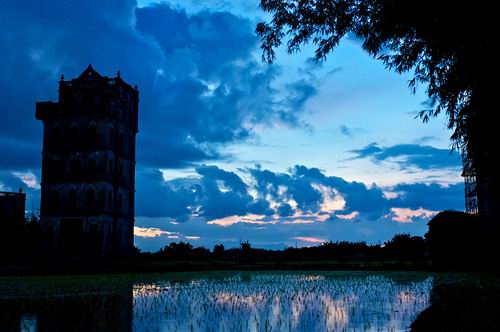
(218, 250)
(405, 246)
(447, 45)
(245, 246)
(447, 234)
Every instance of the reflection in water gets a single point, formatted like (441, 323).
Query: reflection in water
(276, 302)
(28, 323)
(342, 301)
(271, 301)
(65, 313)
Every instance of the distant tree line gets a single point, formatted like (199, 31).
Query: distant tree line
(400, 247)
(454, 240)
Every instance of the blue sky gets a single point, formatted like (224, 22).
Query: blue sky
(230, 148)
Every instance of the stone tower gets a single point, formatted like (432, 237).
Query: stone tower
(88, 166)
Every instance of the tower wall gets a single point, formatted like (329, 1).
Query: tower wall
(88, 166)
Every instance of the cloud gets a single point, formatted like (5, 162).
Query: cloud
(202, 87)
(368, 214)
(426, 139)
(157, 198)
(345, 131)
(422, 157)
(349, 132)
(300, 196)
(149, 232)
(28, 178)
(201, 84)
(349, 216)
(231, 220)
(27, 182)
(213, 91)
(431, 196)
(18, 154)
(405, 215)
(310, 239)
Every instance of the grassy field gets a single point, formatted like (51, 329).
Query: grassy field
(151, 266)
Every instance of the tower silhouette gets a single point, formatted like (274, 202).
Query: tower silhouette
(88, 166)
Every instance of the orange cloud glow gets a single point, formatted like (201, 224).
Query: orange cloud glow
(309, 239)
(405, 215)
(150, 232)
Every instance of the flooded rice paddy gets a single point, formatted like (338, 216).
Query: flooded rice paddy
(216, 301)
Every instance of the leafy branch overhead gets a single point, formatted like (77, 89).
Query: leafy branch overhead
(448, 45)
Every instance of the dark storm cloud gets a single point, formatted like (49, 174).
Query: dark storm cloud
(212, 39)
(217, 193)
(419, 195)
(161, 199)
(41, 40)
(411, 155)
(200, 85)
(224, 194)
(18, 154)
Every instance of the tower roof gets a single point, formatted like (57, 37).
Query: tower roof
(92, 79)
(89, 73)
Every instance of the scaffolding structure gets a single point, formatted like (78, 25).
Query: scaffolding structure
(469, 175)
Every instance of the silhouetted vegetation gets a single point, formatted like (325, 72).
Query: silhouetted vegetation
(402, 247)
(462, 306)
(459, 240)
(449, 47)
(20, 241)
(407, 247)
(455, 240)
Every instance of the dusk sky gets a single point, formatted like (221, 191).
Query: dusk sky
(230, 148)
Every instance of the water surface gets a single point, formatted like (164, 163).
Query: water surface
(216, 301)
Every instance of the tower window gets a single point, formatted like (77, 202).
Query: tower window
(73, 135)
(91, 166)
(74, 166)
(120, 140)
(54, 202)
(112, 136)
(90, 199)
(55, 170)
(72, 200)
(92, 135)
(110, 199)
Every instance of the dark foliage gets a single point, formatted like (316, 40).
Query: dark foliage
(449, 46)
(461, 306)
(182, 251)
(405, 246)
(455, 240)
(402, 247)
(20, 241)
(218, 250)
(460, 240)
